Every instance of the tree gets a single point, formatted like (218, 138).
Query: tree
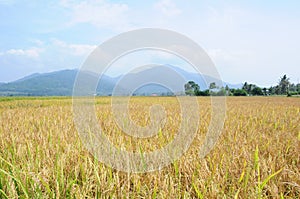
(188, 88)
(191, 88)
(265, 91)
(245, 86)
(277, 90)
(221, 92)
(227, 90)
(239, 92)
(196, 89)
(248, 87)
(293, 89)
(256, 91)
(252, 89)
(227, 87)
(284, 85)
(212, 85)
(271, 90)
(203, 93)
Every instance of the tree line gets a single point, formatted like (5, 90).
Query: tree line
(284, 87)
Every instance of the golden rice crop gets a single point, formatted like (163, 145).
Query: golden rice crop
(256, 156)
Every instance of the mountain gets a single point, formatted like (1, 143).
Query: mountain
(150, 80)
(200, 79)
(171, 76)
(60, 83)
(55, 83)
(28, 77)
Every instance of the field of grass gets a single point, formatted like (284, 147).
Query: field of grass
(257, 154)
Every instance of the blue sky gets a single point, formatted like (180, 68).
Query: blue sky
(254, 41)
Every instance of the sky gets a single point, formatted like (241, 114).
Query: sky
(254, 41)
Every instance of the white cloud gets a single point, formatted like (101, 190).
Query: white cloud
(168, 8)
(33, 52)
(74, 49)
(37, 42)
(99, 13)
(82, 49)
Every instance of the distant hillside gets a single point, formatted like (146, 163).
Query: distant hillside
(56, 83)
(60, 83)
(200, 79)
(29, 77)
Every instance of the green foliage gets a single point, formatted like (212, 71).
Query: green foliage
(191, 88)
(284, 85)
(252, 89)
(220, 92)
(239, 92)
(212, 85)
(294, 89)
(283, 88)
(257, 91)
(202, 93)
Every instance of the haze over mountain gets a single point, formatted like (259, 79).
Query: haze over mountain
(60, 83)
